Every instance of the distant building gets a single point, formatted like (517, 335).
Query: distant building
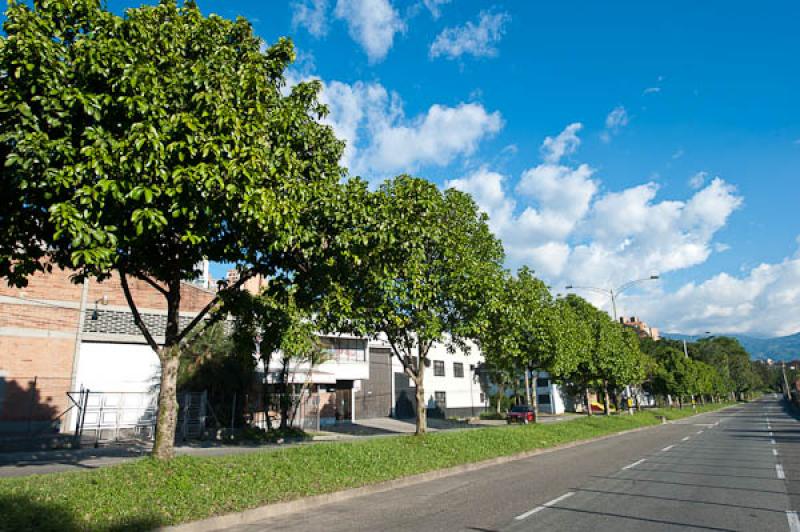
(641, 328)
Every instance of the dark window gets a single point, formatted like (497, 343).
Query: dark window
(458, 369)
(438, 368)
(543, 399)
(441, 399)
(544, 382)
(483, 397)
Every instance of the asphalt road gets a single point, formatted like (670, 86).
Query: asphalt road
(737, 469)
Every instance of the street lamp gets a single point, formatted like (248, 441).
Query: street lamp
(613, 292)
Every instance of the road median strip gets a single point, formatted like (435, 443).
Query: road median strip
(208, 493)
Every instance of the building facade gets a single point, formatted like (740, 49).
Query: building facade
(58, 337)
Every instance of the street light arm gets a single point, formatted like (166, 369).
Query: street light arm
(629, 284)
(591, 288)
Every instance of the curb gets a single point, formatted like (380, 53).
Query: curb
(245, 517)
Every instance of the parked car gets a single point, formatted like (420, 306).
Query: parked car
(521, 414)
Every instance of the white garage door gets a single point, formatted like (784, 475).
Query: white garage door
(109, 367)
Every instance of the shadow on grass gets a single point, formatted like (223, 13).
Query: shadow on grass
(19, 513)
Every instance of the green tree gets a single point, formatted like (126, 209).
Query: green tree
(527, 330)
(432, 267)
(146, 143)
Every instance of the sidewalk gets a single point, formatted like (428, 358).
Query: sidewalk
(24, 463)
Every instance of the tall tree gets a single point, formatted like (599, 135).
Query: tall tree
(432, 265)
(143, 144)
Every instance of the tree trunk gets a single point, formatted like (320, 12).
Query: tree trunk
(606, 405)
(422, 411)
(588, 404)
(535, 403)
(164, 447)
(501, 391)
(527, 389)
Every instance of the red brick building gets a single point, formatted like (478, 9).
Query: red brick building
(46, 326)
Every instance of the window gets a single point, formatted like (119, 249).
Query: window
(345, 349)
(458, 370)
(483, 397)
(543, 399)
(441, 399)
(543, 382)
(438, 369)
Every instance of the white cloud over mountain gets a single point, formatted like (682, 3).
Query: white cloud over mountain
(478, 40)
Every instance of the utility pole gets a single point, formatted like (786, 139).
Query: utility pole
(785, 382)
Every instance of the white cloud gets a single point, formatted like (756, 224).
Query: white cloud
(616, 120)
(565, 143)
(652, 90)
(434, 6)
(698, 179)
(372, 24)
(762, 301)
(678, 153)
(381, 140)
(557, 220)
(311, 15)
(478, 39)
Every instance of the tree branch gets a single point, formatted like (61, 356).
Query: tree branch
(215, 316)
(137, 318)
(148, 280)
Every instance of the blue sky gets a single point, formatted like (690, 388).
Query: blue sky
(674, 135)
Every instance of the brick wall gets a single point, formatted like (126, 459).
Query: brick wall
(38, 328)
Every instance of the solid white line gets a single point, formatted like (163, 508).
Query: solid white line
(794, 521)
(686, 438)
(637, 462)
(775, 452)
(667, 448)
(779, 471)
(545, 505)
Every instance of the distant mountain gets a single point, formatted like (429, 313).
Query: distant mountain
(779, 348)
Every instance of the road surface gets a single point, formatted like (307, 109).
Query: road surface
(737, 469)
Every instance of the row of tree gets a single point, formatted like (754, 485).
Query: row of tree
(140, 145)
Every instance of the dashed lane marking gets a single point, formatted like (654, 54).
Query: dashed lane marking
(667, 448)
(794, 521)
(637, 462)
(779, 471)
(545, 505)
(686, 438)
(775, 452)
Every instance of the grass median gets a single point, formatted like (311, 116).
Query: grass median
(145, 494)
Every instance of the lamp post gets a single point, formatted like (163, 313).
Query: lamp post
(614, 292)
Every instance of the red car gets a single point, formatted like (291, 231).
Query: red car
(521, 414)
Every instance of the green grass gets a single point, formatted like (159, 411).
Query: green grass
(144, 494)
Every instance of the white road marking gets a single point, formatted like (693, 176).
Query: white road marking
(667, 448)
(771, 434)
(545, 505)
(772, 442)
(637, 462)
(686, 438)
(794, 521)
(779, 471)
(699, 432)
(775, 452)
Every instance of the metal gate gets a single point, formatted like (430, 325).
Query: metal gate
(116, 416)
(107, 417)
